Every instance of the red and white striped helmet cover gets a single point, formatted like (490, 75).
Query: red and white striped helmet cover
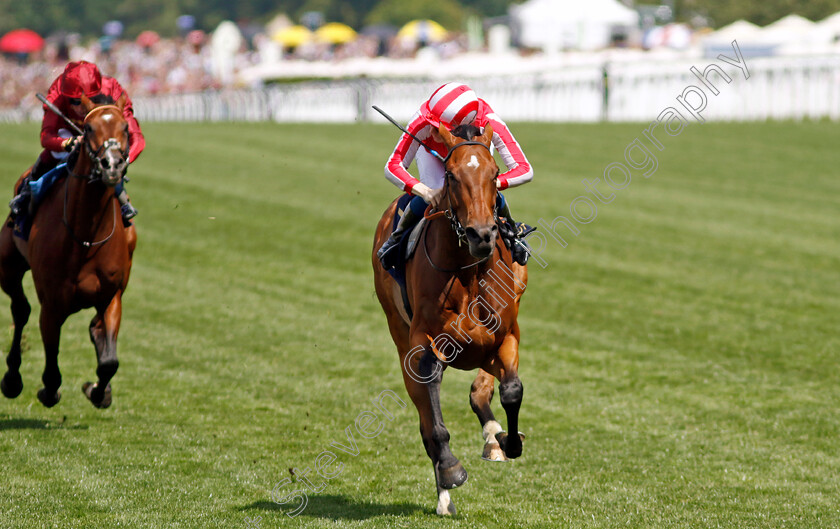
(452, 104)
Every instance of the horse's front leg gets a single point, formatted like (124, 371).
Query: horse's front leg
(104, 328)
(510, 393)
(422, 374)
(449, 470)
(51, 322)
(481, 393)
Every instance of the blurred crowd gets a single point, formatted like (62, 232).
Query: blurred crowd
(168, 66)
(178, 65)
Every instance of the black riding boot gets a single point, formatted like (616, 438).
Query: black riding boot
(408, 220)
(515, 233)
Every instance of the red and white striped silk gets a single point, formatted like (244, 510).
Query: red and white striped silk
(396, 169)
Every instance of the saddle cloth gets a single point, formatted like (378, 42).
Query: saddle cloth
(39, 189)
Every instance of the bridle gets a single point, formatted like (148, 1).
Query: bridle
(95, 155)
(455, 223)
(96, 173)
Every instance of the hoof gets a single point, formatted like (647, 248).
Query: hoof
(11, 385)
(99, 398)
(48, 400)
(512, 446)
(454, 476)
(493, 452)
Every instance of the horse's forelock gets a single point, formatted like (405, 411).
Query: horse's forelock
(467, 132)
(103, 99)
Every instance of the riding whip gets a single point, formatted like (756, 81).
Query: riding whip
(415, 138)
(60, 114)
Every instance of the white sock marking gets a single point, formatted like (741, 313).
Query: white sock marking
(491, 428)
(443, 502)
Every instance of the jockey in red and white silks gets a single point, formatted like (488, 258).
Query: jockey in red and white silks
(452, 105)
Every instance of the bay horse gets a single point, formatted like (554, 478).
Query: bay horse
(79, 253)
(464, 290)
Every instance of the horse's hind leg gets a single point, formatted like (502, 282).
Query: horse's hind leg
(481, 393)
(12, 268)
(104, 328)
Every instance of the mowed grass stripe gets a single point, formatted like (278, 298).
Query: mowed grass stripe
(679, 356)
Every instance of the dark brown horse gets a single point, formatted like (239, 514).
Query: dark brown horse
(464, 292)
(80, 257)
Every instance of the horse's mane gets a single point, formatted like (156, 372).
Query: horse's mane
(467, 132)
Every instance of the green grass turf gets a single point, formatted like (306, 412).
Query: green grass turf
(679, 356)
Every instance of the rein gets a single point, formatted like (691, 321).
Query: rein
(447, 270)
(86, 244)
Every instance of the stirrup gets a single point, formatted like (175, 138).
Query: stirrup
(387, 247)
(520, 250)
(128, 211)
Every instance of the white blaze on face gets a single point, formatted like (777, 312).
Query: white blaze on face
(107, 117)
(473, 162)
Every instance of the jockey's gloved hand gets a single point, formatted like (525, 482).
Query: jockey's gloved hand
(68, 144)
(431, 196)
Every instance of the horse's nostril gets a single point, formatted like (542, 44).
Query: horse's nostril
(472, 233)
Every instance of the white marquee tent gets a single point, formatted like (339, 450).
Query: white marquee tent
(553, 25)
(790, 35)
(740, 30)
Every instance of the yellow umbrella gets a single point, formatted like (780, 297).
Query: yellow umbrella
(292, 36)
(427, 30)
(335, 33)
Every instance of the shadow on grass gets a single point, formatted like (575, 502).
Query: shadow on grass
(336, 507)
(11, 423)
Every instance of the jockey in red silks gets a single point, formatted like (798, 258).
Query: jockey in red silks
(79, 78)
(453, 105)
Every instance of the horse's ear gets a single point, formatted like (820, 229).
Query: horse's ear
(87, 104)
(448, 139)
(121, 101)
(487, 137)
